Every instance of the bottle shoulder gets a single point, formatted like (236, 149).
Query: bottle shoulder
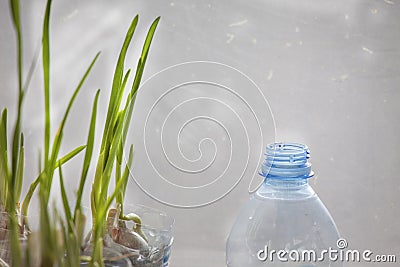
(285, 193)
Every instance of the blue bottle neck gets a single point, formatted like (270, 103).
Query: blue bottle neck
(287, 161)
(286, 170)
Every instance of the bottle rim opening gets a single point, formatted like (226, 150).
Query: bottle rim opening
(287, 160)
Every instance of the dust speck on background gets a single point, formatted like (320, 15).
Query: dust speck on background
(239, 23)
(369, 51)
(230, 37)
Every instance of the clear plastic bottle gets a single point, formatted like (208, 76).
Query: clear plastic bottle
(283, 214)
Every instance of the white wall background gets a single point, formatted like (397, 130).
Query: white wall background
(329, 70)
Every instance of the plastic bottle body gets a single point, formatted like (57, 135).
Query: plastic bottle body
(286, 215)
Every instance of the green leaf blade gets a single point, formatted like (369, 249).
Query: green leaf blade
(20, 170)
(88, 154)
(46, 78)
(64, 197)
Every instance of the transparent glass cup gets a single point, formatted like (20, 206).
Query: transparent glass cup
(5, 253)
(128, 248)
(5, 233)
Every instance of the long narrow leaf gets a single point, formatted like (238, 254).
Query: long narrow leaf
(119, 197)
(50, 164)
(14, 4)
(16, 145)
(120, 150)
(125, 177)
(46, 79)
(64, 197)
(70, 155)
(88, 154)
(31, 70)
(28, 196)
(145, 52)
(127, 170)
(3, 140)
(20, 171)
(117, 107)
(96, 186)
(4, 169)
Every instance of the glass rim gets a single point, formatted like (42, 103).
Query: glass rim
(170, 221)
(136, 207)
